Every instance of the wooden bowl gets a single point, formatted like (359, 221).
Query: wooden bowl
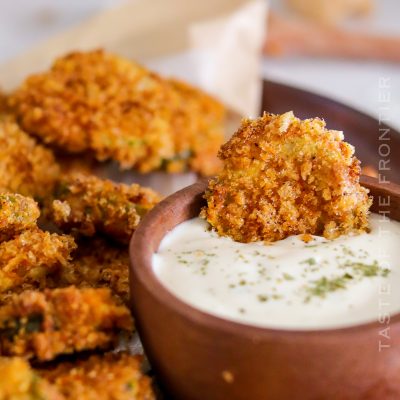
(199, 356)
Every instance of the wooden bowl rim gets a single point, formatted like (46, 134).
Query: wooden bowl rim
(141, 255)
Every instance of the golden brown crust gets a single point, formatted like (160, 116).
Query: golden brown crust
(27, 260)
(106, 377)
(19, 382)
(199, 130)
(61, 321)
(97, 263)
(283, 176)
(89, 205)
(95, 101)
(26, 167)
(17, 213)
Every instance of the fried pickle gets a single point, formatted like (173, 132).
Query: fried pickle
(97, 263)
(26, 167)
(19, 382)
(45, 324)
(107, 377)
(199, 131)
(90, 205)
(29, 258)
(116, 109)
(100, 102)
(283, 176)
(17, 213)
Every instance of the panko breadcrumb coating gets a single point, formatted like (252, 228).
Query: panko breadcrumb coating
(19, 382)
(97, 263)
(90, 205)
(199, 126)
(45, 324)
(17, 213)
(116, 109)
(283, 176)
(106, 377)
(29, 258)
(26, 167)
(101, 102)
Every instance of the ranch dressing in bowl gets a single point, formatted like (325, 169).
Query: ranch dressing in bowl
(288, 284)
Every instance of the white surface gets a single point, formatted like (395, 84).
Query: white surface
(275, 285)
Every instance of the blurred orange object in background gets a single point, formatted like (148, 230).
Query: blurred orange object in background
(331, 11)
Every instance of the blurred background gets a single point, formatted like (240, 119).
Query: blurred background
(340, 49)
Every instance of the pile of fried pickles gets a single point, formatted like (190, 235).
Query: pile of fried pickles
(64, 232)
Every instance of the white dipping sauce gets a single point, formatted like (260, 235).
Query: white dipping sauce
(288, 284)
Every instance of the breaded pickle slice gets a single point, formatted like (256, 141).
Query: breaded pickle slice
(88, 205)
(29, 258)
(17, 213)
(46, 324)
(19, 382)
(283, 176)
(26, 167)
(100, 104)
(97, 263)
(102, 377)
